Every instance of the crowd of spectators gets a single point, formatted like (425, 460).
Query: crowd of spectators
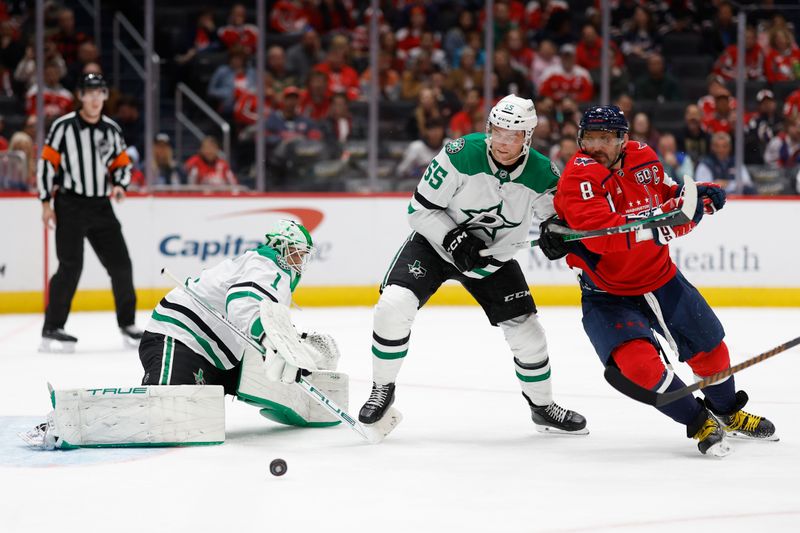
(672, 66)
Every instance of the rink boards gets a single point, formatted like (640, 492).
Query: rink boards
(746, 255)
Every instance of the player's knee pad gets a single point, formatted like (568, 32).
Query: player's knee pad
(707, 363)
(639, 361)
(395, 312)
(526, 338)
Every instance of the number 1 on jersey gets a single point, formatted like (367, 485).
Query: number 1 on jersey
(275, 283)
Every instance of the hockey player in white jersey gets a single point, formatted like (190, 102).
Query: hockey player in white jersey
(184, 344)
(479, 190)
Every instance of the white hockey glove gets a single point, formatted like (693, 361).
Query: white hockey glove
(278, 369)
(322, 348)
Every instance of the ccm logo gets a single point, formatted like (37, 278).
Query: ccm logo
(516, 295)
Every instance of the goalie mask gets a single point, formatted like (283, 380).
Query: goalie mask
(515, 114)
(293, 243)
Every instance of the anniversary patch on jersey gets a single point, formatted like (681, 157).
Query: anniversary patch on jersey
(453, 147)
(555, 170)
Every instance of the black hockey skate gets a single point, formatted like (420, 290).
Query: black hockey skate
(131, 335)
(380, 399)
(740, 424)
(710, 436)
(553, 418)
(57, 341)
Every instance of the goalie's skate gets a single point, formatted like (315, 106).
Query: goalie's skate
(380, 399)
(553, 418)
(41, 437)
(742, 425)
(131, 336)
(57, 341)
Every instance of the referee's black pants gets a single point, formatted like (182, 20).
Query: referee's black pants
(79, 217)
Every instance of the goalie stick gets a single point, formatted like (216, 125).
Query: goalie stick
(650, 397)
(671, 218)
(371, 436)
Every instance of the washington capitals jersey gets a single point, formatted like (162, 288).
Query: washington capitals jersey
(590, 196)
(235, 288)
(463, 186)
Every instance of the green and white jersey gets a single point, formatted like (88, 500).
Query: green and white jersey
(234, 287)
(463, 186)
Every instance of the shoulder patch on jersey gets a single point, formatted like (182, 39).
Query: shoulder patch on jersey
(555, 170)
(584, 161)
(453, 147)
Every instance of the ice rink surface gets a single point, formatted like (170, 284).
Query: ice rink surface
(466, 457)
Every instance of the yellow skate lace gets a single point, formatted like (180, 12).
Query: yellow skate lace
(709, 427)
(743, 421)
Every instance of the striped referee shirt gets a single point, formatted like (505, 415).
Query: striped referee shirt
(86, 159)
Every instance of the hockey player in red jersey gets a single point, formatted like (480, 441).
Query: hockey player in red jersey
(631, 288)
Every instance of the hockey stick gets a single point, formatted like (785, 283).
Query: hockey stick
(675, 217)
(316, 394)
(650, 397)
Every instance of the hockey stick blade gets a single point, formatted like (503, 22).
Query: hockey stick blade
(308, 388)
(634, 391)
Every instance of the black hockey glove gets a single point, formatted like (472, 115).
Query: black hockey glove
(465, 249)
(712, 197)
(552, 244)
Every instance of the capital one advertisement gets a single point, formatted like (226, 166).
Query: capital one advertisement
(749, 244)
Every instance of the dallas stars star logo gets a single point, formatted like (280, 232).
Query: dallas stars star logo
(490, 220)
(199, 379)
(417, 270)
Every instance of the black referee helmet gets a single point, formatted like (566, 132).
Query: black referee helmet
(93, 81)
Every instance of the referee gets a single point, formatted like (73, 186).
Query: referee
(84, 163)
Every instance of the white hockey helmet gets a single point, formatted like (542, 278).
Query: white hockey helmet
(293, 243)
(513, 113)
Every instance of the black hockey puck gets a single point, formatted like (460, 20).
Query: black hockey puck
(277, 467)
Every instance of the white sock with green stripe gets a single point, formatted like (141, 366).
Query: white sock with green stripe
(535, 381)
(391, 332)
(387, 357)
(525, 337)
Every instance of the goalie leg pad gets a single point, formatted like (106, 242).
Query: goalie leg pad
(526, 338)
(163, 415)
(287, 403)
(391, 332)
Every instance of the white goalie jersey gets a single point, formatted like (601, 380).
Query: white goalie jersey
(235, 287)
(462, 186)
